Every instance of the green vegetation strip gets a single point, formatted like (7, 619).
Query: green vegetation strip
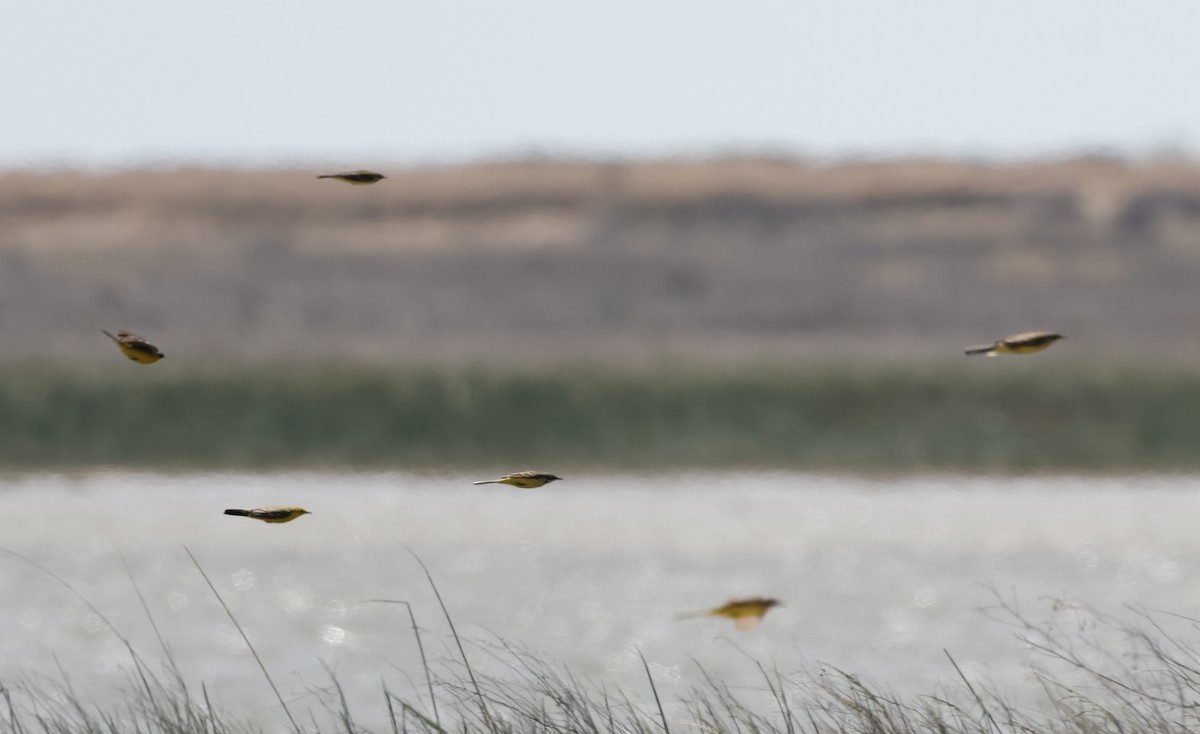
(981, 415)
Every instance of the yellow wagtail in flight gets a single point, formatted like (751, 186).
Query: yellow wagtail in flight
(524, 479)
(135, 347)
(271, 514)
(745, 613)
(1027, 343)
(356, 178)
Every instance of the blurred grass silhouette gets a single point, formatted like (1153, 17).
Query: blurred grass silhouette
(993, 415)
(1098, 673)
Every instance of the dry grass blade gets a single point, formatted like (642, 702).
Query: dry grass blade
(408, 708)
(654, 689)
(142, 670)
(387, 699)
(242, 632)
(420, 649)
(778, 694)
(212, 716)
(978, 699)
(487, 717)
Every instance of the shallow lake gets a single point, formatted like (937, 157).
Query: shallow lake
(878, 576)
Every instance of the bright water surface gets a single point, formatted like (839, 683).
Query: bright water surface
(878, 576)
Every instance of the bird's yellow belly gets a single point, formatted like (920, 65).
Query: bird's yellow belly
(140, 357)
(1027, 348)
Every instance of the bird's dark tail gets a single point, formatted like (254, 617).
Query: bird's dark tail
(326, 176)
(981, 349)
(110, 336)
(241, 513)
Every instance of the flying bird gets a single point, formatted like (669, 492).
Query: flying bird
(745, 613)
(271, 514)
(135, 347)
(356, 178)
(1027, 343)
(524, 479)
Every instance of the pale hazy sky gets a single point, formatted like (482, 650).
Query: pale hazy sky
(354, 82)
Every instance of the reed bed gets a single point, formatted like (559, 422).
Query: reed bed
(980, 415)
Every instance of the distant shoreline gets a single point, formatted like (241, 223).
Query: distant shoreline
(729, 260)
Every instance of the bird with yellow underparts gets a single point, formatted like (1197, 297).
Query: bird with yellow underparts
(745, 613)
(1027, 343)
(356, 178)
(524, 479)
(135, 347)
(271, 514)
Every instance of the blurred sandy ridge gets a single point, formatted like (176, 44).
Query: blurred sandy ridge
(734, 258)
